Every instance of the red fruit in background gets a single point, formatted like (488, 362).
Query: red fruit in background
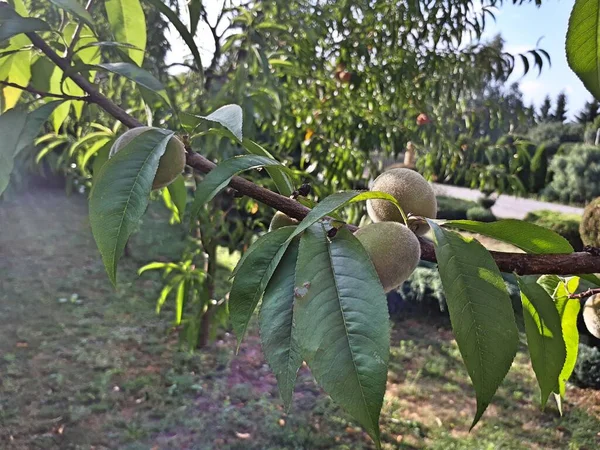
(345, 77)
(423, 119)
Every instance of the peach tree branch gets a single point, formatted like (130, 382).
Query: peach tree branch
(522, 264)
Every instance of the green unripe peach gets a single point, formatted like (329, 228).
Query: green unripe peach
(393, 249)
(171, 163)
(281, 220)
(414, 194)
(591, 315)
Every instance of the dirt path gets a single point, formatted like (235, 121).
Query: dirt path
(507, 206)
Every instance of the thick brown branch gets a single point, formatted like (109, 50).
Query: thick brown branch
(42, 93)
(524, 264)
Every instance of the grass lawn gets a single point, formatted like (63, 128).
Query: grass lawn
(84, 366)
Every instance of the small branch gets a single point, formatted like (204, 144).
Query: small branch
(94, 96)
(70, 51)
(42, 93)
(587, 293)
(522, 264)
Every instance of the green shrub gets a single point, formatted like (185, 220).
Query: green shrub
(453, 208)
(591, 130)
(589, 229)
(587, 368)
(566, 148)
(567, 225)
(539, 169)
(481, 214)
(562, 132)
(486, 202)
(575, 176)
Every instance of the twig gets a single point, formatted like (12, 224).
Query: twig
(70, 50)
(42, 93)
(522, 264)
(587, 293)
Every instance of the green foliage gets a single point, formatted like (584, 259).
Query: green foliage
(277, 331)
(544, 337)
(575, 176)
(528, 237)
(583, 51)
(589, 229)
(453, 208)
(253, 275)
(539, 169)
(587, 368)
(567, 225)
(128, 25)
(480, 311)
(330, 276)
(552, 131)
(480, 214)
(120, 194)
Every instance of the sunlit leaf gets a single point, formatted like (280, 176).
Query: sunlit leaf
(336, 201)
(544, 337)
(128, 24)
(524, 235)
(583, 43)
(178, 193)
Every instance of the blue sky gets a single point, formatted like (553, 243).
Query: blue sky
(521, 27)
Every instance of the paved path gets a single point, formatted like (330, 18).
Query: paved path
(507, 206)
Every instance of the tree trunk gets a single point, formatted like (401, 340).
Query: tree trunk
(210, 268)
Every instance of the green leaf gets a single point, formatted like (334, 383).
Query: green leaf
(276, 325)
(120, 194)
(93, 149)
(568, 310)
(19, 72)
(180, 300)
(18, 130)
(181, 29)
(195, 8)
(178, 193)
(137, 75)
(230, 116)
(100, 160)
(12, 24)
(342, 322)
(544, 337)
(218, 178)
(336, 201)
(253, 276)
(524, 235)
(128, 24)
(480, 311)
(583, 44)
(73, 7)
(155, 266)
(282, 180)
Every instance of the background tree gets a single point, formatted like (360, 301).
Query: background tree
(589, 112)
(545, 109)
(560, 113)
